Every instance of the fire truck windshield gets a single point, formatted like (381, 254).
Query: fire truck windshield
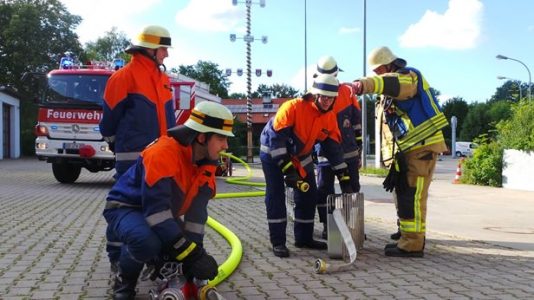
(75, 90)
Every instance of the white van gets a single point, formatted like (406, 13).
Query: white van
(465, 148)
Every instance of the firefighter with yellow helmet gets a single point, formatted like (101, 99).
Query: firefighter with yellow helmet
(159, 206)
(138, 106)
(411, 123)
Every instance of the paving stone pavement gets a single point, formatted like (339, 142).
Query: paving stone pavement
(52, 246)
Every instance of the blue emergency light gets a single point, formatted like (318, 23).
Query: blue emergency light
(118, 63)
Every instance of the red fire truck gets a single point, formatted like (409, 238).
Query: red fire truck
(70, 109)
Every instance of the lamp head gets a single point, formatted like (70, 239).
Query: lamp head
(501, 57)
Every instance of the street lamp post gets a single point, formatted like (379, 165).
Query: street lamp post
(248, 38)
(529, 78)
(518, 84)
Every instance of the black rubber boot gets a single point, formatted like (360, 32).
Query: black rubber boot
(124, 287)
(281, 251)
(312, 244)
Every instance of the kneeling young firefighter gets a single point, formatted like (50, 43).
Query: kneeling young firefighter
(286, 146)
(159, 206)
(411, 124)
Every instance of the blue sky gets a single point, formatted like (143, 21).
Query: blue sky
(452, 42)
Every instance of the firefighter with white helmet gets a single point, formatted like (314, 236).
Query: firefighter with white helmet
(138, 106)
(411, 126)
(159, 206)
(286, 146)
(348, 114)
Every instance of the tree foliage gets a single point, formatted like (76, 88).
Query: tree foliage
(276, 91)
(34, 35)
(208, 72)
(517, 131)
(457, 107)
(108, 47)
(510, 91)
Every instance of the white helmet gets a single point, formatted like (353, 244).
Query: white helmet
(383, 56)
(327, 65)
(326, 85)
(153, 37)
(210, 116)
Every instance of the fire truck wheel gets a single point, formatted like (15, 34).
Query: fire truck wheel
(66, 173)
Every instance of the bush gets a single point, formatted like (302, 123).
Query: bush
(485, 167)
(517, 132)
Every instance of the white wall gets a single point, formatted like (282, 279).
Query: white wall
(518, 170)
(14, 134)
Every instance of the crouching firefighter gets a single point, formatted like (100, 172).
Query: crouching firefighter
(286, 145)
(159, 206)
(411, 124)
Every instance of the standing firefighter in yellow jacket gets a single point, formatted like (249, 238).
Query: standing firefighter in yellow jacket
(411, 122)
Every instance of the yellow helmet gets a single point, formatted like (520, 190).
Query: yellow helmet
(383, 56)
(326, 85)
(153, 37)
(210, 116)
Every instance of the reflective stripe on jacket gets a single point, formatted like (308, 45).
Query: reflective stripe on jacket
(415, 106)
(165, 185)
(294, 130)
(138, 106)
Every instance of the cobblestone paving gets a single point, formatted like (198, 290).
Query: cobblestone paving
(52, 246)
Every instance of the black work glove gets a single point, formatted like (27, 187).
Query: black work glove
(344, 181)
(291, 176)
(397, 177)
(195, 260)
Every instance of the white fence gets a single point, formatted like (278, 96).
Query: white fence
(518, 170)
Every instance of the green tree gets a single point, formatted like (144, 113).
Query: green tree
(517, 132)
(208, 72)
(34, 35)
(476, 122)
(108, 47)
(237, 96)
(276, 91)
(457, 107)
(509, 91)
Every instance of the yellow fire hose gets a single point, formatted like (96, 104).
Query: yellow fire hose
(233, 260)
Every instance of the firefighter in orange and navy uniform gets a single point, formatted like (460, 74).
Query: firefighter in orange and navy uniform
(138, 107)
(159, 206)
(411, 127)
(138, 104)
(348, 113)
(286, 145)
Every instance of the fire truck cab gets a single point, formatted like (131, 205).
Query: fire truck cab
(70, 109)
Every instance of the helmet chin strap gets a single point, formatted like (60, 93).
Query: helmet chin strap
(320, 108)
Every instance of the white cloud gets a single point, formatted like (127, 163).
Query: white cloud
(297, 81)
(209, 15)
(457, 28)
(349, 30)
(99, 16)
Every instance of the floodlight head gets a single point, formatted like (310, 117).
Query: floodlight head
(502, 77)
(234, 2)
(262, 3)
(264, 39)
(501, 57)
(233, 37)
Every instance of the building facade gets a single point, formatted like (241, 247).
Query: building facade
(9, 123)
